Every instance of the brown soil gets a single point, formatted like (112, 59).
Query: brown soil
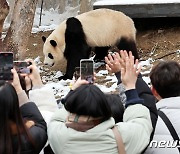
(156, 38)
(159, 38)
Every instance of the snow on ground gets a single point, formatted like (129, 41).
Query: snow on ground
(61, 88)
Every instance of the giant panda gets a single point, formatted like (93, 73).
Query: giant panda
(98, 29)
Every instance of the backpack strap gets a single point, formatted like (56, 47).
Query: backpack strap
(169, 126)
(119, 140)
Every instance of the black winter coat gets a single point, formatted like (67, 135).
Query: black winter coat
(38, 132)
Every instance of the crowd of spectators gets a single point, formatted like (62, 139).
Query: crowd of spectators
(90, 121)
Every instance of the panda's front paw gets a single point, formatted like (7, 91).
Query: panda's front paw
(64, 77)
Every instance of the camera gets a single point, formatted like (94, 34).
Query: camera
(87, 70)
(6, 64)
(22, 67)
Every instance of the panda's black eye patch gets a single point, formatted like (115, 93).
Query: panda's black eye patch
(53, 43)
(50, 56)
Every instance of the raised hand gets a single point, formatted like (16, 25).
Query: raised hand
(78, 83)
(16, 81)
(129, 70)
(34, 75)
(113, 63)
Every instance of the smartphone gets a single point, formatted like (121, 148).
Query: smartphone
(6, 64)
(21, 67)
(87, 70)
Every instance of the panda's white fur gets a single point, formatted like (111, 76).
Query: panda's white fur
(102, 27)
(57, 52)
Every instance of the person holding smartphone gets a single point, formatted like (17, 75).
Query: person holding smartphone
(38, 93)
(22, 127)
(41, 95)
(84, 124)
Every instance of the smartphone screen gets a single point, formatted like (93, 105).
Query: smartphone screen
(6, 64)
(21, 67)
(87, 70)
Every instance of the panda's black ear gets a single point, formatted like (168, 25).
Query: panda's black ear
(44, 39)
(53, 43)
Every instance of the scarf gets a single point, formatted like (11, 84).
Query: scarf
(81, 122)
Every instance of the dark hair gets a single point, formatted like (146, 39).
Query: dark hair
(165, 78)
(9, 112)
(117, 107)
(88, 100)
